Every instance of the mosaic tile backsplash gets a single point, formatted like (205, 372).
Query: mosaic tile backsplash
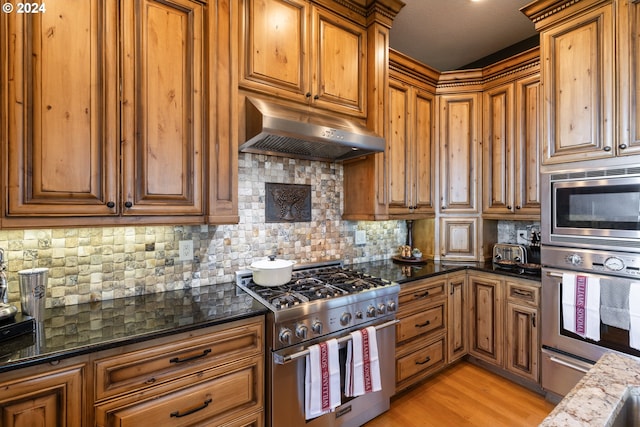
(103, 263)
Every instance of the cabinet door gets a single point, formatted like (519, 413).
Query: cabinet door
(629, 82)
(578, 71)
(458, 238)
(423, 127)
(338, 64)
(398, 147)
(498, 151)
(274, 47)
(459, 132)
(61, 109)
(457, 329)
(486, 319)
(162, 107)
(527, 146)
(522, 341)
(53, 399)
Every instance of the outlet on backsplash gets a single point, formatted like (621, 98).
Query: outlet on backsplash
(522, 237)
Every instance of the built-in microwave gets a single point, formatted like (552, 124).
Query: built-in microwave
(597, 209)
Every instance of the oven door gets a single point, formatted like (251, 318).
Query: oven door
(566, 357)
(287, 384)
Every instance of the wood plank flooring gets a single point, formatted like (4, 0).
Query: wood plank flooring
(465, 395)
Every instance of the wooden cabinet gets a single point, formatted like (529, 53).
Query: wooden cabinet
(486, 313)
(459, 238)
(210, 377)
(504, 323)
(457, 325)
(125, 132)
(410, 145)
(628, 24)
(298, 51)
(522, 333)
(511, 146)
(52, 397)
(577, 50)
(401, 182)
(421, 346)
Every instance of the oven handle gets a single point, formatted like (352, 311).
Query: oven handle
(558, 275)
(281, 360)
(568, 364)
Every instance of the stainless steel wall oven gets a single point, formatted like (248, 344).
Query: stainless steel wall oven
(590, 228)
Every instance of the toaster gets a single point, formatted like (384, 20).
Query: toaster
(509, 254)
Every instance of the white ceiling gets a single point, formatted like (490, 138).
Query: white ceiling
(449, 34)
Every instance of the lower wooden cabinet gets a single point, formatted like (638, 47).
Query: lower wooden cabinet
(492, 317)
(207, 377)
(44, 396)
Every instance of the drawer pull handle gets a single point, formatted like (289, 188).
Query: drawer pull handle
(178, 360)
(521, 293)
(427, 360)
(422, 325)
(422, 295)
(150, 380)
(177, 414)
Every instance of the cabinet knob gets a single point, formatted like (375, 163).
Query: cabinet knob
(444, 207)
(111, 205)
(128, 204)
(308, 94)
(509, 207)
(316, 97)
(607, 148)
(518, 207)
(622, 146)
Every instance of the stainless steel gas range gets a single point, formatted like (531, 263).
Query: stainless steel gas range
(321, 302)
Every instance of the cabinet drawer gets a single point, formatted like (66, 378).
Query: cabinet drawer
(420, 360)
(137, 370)
(420, 293)
(212, 401)
(523, 294)
(429, 320)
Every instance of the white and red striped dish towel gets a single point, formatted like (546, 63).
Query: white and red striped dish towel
(581, 305)
(322, 379)
(362, 370)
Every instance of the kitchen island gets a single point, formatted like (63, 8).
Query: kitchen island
(600, 396)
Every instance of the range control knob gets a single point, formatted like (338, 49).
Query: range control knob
(345, 318)
(371, 311)
(382, 308)
(359, 315)
(574, 259)
(301, 331)
(285, 336)
(317, 327)
(391, 306)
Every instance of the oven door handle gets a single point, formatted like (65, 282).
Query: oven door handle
(558, 275)
(281, 360)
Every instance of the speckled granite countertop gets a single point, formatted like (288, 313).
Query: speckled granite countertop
(85, 328)
(600, 395)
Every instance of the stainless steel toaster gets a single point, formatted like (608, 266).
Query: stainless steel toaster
(509, 253)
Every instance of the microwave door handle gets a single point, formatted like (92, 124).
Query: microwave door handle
(549, 274)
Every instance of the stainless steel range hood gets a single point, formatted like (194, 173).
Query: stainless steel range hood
(283, 131)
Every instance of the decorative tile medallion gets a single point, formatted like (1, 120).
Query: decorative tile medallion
(287, 202)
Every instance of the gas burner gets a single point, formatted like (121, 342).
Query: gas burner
(307, 282)
(285, 300)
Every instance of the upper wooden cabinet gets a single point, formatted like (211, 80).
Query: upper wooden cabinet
(511, 149)
(459, 145)
(304, 53)
(120, 128)
(410, 146)
(583, 57)
(401, 182)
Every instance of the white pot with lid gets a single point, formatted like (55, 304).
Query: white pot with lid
(272, 271)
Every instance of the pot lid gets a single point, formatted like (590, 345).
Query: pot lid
(272, 263)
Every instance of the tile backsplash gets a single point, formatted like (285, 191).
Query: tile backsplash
(103, 263)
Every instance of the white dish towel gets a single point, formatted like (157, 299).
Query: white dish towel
(362, 365)
(322, 379)
(581, 305)
(634, 315)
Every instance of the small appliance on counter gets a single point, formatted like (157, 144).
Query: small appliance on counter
(12, 323)
(509, 256)
(7, 311)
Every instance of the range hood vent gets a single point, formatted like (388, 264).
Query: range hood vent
(282, 131)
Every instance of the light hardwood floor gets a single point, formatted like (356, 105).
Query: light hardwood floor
(465, 395)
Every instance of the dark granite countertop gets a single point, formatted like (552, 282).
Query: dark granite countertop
(403, 273)
(85, 328)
